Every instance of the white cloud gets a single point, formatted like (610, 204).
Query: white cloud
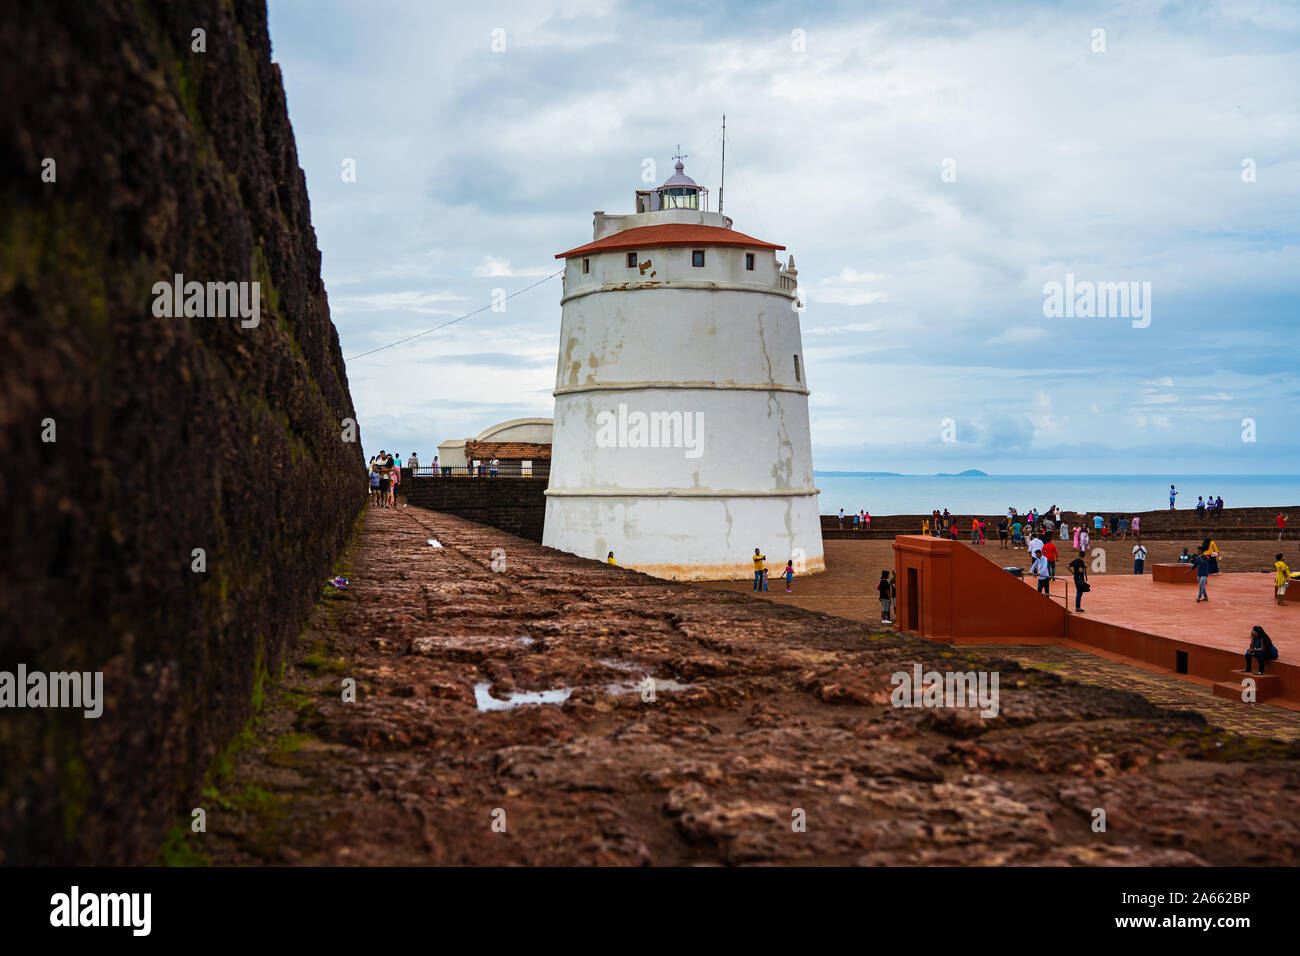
(493, 268)
(1020, 335)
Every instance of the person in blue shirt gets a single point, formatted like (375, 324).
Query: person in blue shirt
(1261, 648)
(1201, 562)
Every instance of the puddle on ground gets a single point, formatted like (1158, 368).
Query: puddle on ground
(559, 695)
(486, 701)
(630, 667)
(661, 683)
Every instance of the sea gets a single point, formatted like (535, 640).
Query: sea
(993, 494)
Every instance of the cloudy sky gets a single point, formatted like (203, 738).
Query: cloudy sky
(931, 166)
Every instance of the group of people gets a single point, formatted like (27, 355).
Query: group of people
(1211, 505)
(858, 522)
(760, 571)
(385, 473)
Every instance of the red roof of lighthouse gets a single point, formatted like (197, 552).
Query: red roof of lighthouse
(670, 234)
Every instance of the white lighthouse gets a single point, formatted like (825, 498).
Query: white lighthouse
(681, 437)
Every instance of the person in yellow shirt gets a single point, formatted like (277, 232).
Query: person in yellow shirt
(610, 559)
(1282, 580)
(1212, 553)
(925, 527)
(760, 569)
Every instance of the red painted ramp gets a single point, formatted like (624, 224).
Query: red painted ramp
(948, 592)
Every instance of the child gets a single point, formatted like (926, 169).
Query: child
(886, 592)
(788, 574)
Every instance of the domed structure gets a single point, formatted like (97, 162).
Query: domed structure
(681, 437)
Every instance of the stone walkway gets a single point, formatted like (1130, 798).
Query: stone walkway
(502, 715)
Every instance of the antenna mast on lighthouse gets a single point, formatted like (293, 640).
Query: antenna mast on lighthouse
(723, 185)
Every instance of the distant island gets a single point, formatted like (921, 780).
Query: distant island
(968, 473)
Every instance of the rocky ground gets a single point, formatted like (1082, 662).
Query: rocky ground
(771, 737)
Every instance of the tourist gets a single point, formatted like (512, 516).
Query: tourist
(609, 559)
(1040, 568)
(884, 589)
(1261, 648)
(1201, 562)
(1200, 505)
(374, 483)
(1218, 503)
(1184, 558)
(1281, 526)
(1114, 524)
(1080, 571)
(395, 476)
(974, 530)
(759, 567)
(841, 519)
(1139, 557)
(1002, 533)
(413, 462)
(385, 478)
(1123, 529)
(765, 577)
(492, 470)
(1016, 533)
(866, 520)
(1172, 495)
(1035, 544)
(855, 522)
(1065, 530)
(893, 597)
(1211, 551)
(925, 527)
(1135, 525)
(1282, 580)
(1050, 553)
(1078, 529)
(788, 574)
(1098, 522)
(1085, 542)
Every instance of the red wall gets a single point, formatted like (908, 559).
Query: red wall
(963, 598)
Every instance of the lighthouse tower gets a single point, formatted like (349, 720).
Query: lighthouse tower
(681, 401)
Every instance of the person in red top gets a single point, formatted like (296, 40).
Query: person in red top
(1050, 553)
(1281, 526)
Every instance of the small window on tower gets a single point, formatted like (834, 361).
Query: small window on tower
(797, 376)
(631, 260)
(749, 261)
(586, 266)
(697, 258)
